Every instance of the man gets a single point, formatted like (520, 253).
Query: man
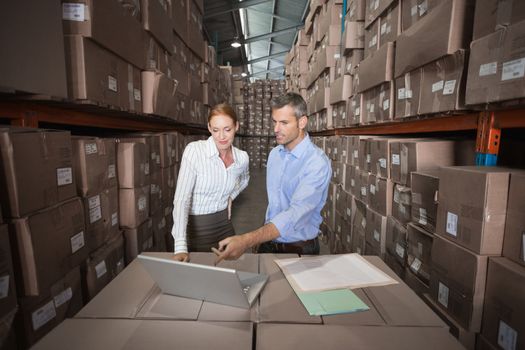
(297, 179)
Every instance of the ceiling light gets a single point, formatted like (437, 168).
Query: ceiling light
(236, 43)
(244, 75)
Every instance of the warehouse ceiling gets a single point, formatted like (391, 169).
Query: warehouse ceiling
(266, 28)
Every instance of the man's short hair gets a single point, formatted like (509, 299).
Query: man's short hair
(293, 100)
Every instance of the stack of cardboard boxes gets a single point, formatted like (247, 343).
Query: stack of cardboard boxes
(145, 56)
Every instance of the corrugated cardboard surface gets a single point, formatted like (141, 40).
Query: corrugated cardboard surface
(139, 239)
(39, 315)
(37, 169)
(377, 68)
(179, 17)
(496, 66)
(472, 207)
(28, 28)
(133, 164)
(102, 217)
(157, 21)
(374, 9)
(158, 92)
(380, 194)
(8, 290)
(401, 203)
(110, 25)
(414, 10)
(425, 187)
(419, 248)
(50, 243)
(443, 31)
(278, 336)
(458, 289)
(355, 10)
(390, 24)
(492, 15)
(133, 206)
(95, 164)
(504, 308)
(396, 240)
(514, 241)
(376, 231)
(407, 94)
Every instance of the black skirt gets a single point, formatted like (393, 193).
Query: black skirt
(205, 231)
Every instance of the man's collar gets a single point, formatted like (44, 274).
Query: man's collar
(299, 149)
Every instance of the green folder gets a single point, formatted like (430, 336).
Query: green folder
(332, 302)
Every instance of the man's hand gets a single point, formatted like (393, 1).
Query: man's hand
(184, 257)
(231, 248)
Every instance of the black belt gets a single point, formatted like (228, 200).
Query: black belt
(291, 247)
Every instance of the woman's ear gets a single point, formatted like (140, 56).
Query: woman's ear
(209, 128)
(237, 126)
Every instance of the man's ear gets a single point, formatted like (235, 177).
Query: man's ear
(303, 122)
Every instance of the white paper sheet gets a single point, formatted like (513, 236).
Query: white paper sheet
(332, 272)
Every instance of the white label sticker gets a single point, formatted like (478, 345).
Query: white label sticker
(357, 111)
(100, 269)
(77, 242)
(414, 10)
(64, 176)
(347, 239)
(137, 95)
(438, 86)
(408, 94)
(43, 315)
(112, 171)
(90, 148)
(513, 69)
(423, 8)
(383, 28)
(371, 107)
(4, 286)
(142, 203)
(386, 104)
(63, 297)
(422, 216)
(395, 159)
(507, 337)
(488, 69)
(372, 189)
(363, 190)
(452, 224)
(416, 265)
(402, 209)
(112, 83)
(401, 94)
(382, 163)
(146, 168)
(377, 236)
(348, 212)
(352, 182)
(120, 265)
(114, 219)
(356, 154)
(368, 158)
(400, 251)
(363, 222)
(94, 202)
(443, 295)
(450, 86)
(73, 12)
(95, 214)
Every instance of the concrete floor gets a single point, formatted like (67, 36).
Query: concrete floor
(249, 208)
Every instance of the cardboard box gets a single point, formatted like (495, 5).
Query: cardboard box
(95, 164)
(144, 333)
(459, 289)
(49, 243)
(7, 289)
(492, 15)
(374, 9)
(365, 155)
(168, 149)
(380, 194)
(179, 18)
(355, 10)
(37, 170)
(416, 284)
(353, 113)
(138, 240)
(503, 320)
(371, 43)
(353, 36)
(195, 37)
(393, 262)
(341, 89)
(133, 206)
(390, 24)
(132, 164)
(473, 206)
(495, 67)
(108, 24)
(377, 68)
(425, 186)
(363, 186)
(414, 10)
(99, 76)
(419, 258)
(351, 179)
(401, 204)
(351, 61)
(157, 20)
(443, 84)
(156, 192)
(407, 94)
(376, 231)
(102, 217)
(396, 241)
(443, 31)
(31, 27)
(359, 224)
(39, 315)
(158, 92)
(380, 161)
(160, 230)
(102, 266)
(414, 155)
(514, 241)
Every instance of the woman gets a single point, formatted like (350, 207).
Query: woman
(212, 174)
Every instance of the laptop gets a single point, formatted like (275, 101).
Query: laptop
(203, 282)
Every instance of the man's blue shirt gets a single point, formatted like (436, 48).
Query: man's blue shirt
(297, 186)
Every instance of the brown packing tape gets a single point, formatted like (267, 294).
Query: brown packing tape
(404, 162)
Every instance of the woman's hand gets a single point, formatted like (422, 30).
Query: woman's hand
(184, 257)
